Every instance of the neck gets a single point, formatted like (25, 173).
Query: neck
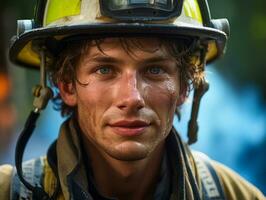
(125, 179)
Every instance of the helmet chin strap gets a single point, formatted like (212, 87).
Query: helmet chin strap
(42, 94)
(199, 91)
(193, 123)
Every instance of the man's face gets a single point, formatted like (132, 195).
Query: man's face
(126, 106)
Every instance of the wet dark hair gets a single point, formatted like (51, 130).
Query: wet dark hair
(187, 52)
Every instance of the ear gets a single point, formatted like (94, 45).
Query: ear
(68, 93)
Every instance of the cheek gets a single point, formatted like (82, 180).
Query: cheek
(163, 95)
(92, 104)
(162, 99)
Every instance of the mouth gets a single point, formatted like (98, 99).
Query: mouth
(129, 128)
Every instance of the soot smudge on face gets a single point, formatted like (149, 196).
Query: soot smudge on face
(167, 95)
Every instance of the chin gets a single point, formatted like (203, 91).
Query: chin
(129, 151)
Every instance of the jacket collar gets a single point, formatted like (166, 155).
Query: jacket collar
(69, 157)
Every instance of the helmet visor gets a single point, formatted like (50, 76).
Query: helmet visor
(125, 4)
(141, 10)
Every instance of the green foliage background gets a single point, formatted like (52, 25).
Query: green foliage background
(244, 63)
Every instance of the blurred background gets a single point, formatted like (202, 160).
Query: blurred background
(232, 116)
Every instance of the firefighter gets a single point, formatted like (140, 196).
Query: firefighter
(121, 69)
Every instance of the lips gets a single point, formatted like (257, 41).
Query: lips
(129, 128)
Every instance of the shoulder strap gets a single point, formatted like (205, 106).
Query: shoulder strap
(211, 185)
(33, 173)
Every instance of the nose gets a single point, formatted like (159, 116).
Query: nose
(130, 95)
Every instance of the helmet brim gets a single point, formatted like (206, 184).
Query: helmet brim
(114, 30)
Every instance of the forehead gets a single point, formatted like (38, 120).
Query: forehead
(130, 42)
(134, 47)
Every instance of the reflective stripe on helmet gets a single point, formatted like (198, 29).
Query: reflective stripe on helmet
(57, 9)
(192, 10)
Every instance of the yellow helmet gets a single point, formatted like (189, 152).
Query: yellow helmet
(56, 20)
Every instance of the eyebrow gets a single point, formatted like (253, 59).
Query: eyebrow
(109, 59)
(105, 59)
(157, 59)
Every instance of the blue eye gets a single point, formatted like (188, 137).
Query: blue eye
(155, 70)
(104, 70)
